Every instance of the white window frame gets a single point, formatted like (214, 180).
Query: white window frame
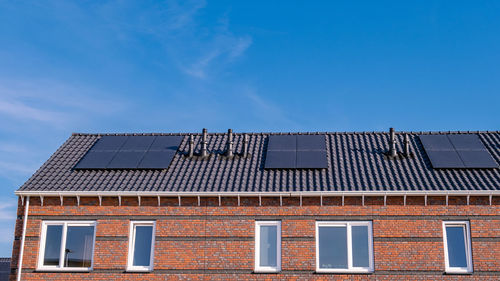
(350, 268)
(468, 254)
(131, 247)
(60, 267)
(267, 269)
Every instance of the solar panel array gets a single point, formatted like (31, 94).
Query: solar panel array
(457, 151)
(296, 152)
(131, 152)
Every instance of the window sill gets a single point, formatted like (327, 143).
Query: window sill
(138, 270)
(68, 270)
(458, 272)
(267, 271)
(343, 271)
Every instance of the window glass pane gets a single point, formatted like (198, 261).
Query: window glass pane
(268, 245)
(332, 247)
(52, 245)
(360, 246)
(142, 245)
(79, 245)
(455, 238)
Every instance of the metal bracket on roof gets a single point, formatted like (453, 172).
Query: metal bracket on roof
(363, 200)
(342, 199)
(301, 200)
(468, 199)
(179, 200)
(41, 200)
(404, 200)
(281, 201)
(220, 203)
(22, 200)
(199, 201)
(491, 199)
(119, 200)
(446, 199)
(385, 199)
(78, 200)
(321, 199)
(139, 200)
(159, 201)
(238, 200)
(425, 198)
(100, 200)
(61, 199)
(260, 200)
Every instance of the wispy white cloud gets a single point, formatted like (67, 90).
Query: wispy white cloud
(270, 114)
(7, 210)
(181, 14)
(7, 221)
(21, 110)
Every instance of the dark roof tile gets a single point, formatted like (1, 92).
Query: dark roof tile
(356, 162)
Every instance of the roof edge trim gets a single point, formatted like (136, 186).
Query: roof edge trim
(262, 194)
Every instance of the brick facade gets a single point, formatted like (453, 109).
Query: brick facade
(212, 242)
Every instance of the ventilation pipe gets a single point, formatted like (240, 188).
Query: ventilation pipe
(407, 145)
(191, 145)
(204, 152)
(392, 150)
(229, 148)
(245, 145)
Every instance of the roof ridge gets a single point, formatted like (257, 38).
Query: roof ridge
(291, 133)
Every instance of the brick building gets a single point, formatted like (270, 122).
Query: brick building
(263, 206)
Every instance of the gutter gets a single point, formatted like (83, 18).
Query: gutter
(253, 194)
(321, 194)
(21, 252)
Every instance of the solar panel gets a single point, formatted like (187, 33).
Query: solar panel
(281, 159)
(445, 159)
(466, 142)
(138, 143)
(126, 160)
(436, 142)
(467, 151)
(281, 143)
(477, 159)
(311, 160)
(311, 142)
(296, 152)
(157, 159)
(96, 160)
(131, 152)
(166, 142)
(110, 143)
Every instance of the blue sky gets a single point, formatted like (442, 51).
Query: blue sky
(178, 66)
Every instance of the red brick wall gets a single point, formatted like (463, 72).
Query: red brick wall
(212, 242)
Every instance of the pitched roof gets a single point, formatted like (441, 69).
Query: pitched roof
(4, 269)
(356, 162)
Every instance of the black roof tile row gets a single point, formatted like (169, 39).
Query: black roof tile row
(356, 162)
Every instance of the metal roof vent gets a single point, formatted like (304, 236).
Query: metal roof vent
(393, 153)
(229, 144)
(204, 151)
(392, 143)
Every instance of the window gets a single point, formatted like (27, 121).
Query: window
(344, 247)
(67, 246)
(457, 248)
(267, 246)
(141, 246)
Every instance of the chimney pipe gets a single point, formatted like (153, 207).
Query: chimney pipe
(204, 152)
(245, 145)
(392, 151)
(229, 151)
(407, 145)
(191, 145)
